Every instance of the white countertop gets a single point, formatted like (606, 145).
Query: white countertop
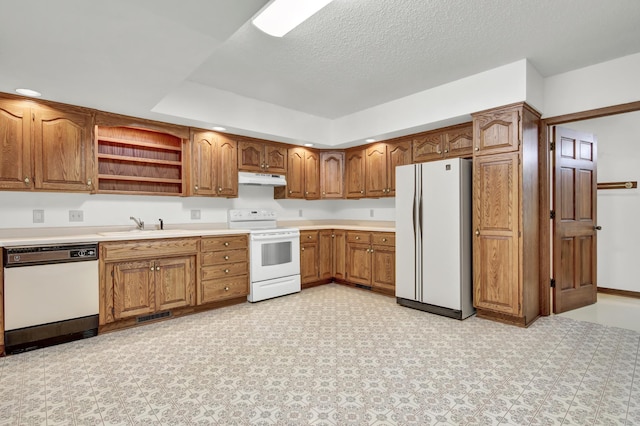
(61, 235)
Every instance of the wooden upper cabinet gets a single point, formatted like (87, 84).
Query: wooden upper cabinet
(311, 175)
(497, 131)
(62, 150)
(256, 156)
(214, 159)
(295, 175)
(454, 141)
(203, 165)
(226, 169)
(15, 145)
(332, 174)
(381, 160)
(355, 173)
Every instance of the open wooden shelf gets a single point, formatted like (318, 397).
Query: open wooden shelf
(132, 160)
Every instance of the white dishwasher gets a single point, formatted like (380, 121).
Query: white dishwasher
(50, 295)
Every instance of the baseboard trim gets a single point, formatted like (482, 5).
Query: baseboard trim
(616, 292)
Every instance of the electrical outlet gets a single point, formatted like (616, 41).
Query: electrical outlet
(195, 214)
(300, 213)
(371, 213)
(76, 216)
(38, 216)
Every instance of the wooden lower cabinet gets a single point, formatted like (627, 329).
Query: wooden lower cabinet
(325, 254)
(224, 273)
(309, 257)
(339, 241)
(371, 259)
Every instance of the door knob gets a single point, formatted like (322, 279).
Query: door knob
(597, 228)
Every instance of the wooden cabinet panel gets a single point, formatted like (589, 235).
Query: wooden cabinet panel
(224, 270)
(133, 289)
(459, 141)
(223, 289)
(203, 166)
(359, 237)
(325, 254)
(428, 147)
(224, 257)
(398, 154)
(376, 170)
(311, 175)
(383, 238)
(309, 256)
(175, 282)
(339, 255)
(250, 156)
(355, 173)
(332, 174)
(497, 131)
(276, 159)
(15, 145)
(359, 263)
(225, 166)
(147, 249)
(295, 173)
(383, 276)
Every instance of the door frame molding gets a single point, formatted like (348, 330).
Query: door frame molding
(544, 166)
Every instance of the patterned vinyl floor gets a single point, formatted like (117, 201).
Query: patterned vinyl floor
(330, 355)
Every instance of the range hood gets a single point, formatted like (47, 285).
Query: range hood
(245, 178)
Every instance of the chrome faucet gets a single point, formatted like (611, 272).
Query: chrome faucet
(139, 223)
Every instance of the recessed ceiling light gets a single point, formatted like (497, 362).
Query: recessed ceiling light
(370, 140)
(28, 92)
(219, 128)
(281, 16)
(308, 144)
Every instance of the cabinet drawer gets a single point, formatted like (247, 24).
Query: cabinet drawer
(308, 237)
(221, 271)
(215, 290)
(224, 257)
(383, 238)
(148, 249)
(359, 237)
(224, 243)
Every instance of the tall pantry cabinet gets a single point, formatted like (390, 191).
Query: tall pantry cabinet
(506, 244)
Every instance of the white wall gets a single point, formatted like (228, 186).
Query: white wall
(107, 210)
(618, 209)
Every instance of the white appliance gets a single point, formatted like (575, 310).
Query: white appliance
(433, 237)
(50, 294)
(274, 253)
(261, 179)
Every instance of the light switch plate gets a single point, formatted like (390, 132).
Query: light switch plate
(76, 216)
(38, 216)
(195, 214)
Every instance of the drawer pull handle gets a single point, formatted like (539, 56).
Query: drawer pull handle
(88, 182)
(226, 258)
(302, 249)
(152, 268)
(196, 187)
(27, 180)
(357, 238)
(384, 240)
(477, 232)
(226, 289)
(157, 268)
(226, 244)
(219, 189)
(309, 236)
(226, 271)
(477, 149)
(290, 192)
(362, 191)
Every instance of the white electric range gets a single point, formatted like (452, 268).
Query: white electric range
(274, 253)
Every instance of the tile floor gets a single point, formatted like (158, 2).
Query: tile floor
(330, 355)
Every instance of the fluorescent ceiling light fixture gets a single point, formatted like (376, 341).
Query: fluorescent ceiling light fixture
(219, 128)
(308, 144)
(281, 16)
(28, 92)
(370, 140)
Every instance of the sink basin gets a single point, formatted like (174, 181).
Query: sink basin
(145, 232)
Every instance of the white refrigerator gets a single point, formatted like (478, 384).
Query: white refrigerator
(433, 237)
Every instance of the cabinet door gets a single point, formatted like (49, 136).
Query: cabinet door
(383, 275)
(295, 173)
(496, 243)
(62, 150)
(250, 156)
(275, 158)
(175, 281)
(332, 174)
(496, 131)
(309, 256)
(133, 289)
(376, 170)
(428, 147)
(225, 164)
(398, 154)
(203, 152)
(359, 263)
(355, 173)
(339, 255)
(311, 175)
(459, 143)
(325, 254)
(15, 146)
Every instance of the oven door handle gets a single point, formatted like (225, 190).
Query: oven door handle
(281, 237)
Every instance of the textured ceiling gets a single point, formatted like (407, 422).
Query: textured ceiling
(127, 55)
